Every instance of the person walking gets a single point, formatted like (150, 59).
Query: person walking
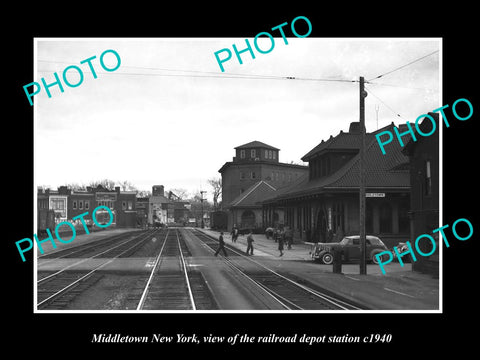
(276, 234)
(221, 245)
(234, 234)
(289, 237)
(280, 244)
(250, 243)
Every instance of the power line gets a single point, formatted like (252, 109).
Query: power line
(383, 102)
(209, 74)
(401, 67)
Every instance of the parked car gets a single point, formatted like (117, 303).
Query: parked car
(349, 248)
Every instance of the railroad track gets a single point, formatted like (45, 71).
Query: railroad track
(289, 293)
(171, 285)
(91, 248)
(56, 290)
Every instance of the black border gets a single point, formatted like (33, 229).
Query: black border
(412, 333)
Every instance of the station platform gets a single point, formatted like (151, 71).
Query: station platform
(400, 288)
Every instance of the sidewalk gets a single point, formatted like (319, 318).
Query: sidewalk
(265, 247)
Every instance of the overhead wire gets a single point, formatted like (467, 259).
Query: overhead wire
(209, 74)
(384, 103)
(402, 87)
(403, 66)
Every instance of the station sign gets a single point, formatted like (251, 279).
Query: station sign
(375, 195)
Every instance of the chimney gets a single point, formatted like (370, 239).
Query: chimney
(158, 190)
(354, 128)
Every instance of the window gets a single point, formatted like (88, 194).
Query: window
(385, 218)
(57, 204)
(266, 154)
(130, 206)
(270, 156)
(253, 176)
(106, 203)
(403, 219)
(87, 204)
(274, 154)
(428, 178)
(253, 153)
(242, 154)
(74, 205)
(248, 219)
(124, 205)
(80, 204)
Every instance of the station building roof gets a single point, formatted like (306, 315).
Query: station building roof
(387, 172)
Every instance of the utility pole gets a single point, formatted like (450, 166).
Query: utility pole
(201, 200)
(363, 95)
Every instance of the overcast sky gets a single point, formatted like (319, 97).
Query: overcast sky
(169, 116)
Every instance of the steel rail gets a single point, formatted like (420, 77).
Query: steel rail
(157, 262)
(63, 290)
(79, 248)
(93, 257)
(184, 266)
(277, 297)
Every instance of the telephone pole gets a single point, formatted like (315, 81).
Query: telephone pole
(363, 95)
(201, 200)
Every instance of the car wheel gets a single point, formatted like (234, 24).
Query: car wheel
(327, 258)
(374, 258)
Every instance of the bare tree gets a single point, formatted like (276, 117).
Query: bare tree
(179, 192)
(216, 184)
(106, 183)
(126, 186)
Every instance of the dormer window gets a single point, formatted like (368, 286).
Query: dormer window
(252, 153)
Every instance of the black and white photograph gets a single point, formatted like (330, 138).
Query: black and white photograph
(185, 188)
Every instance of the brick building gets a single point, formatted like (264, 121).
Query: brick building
(68, 203)
(253, 163)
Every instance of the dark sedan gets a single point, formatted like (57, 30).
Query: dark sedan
(349, 247)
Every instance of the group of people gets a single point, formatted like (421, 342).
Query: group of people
(281, 236)
(235, 233)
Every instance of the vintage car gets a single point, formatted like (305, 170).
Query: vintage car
(349, 248)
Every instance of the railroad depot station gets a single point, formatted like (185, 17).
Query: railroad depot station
(320, 202)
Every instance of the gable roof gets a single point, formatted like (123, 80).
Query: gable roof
(256, 144)
(253, 195)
